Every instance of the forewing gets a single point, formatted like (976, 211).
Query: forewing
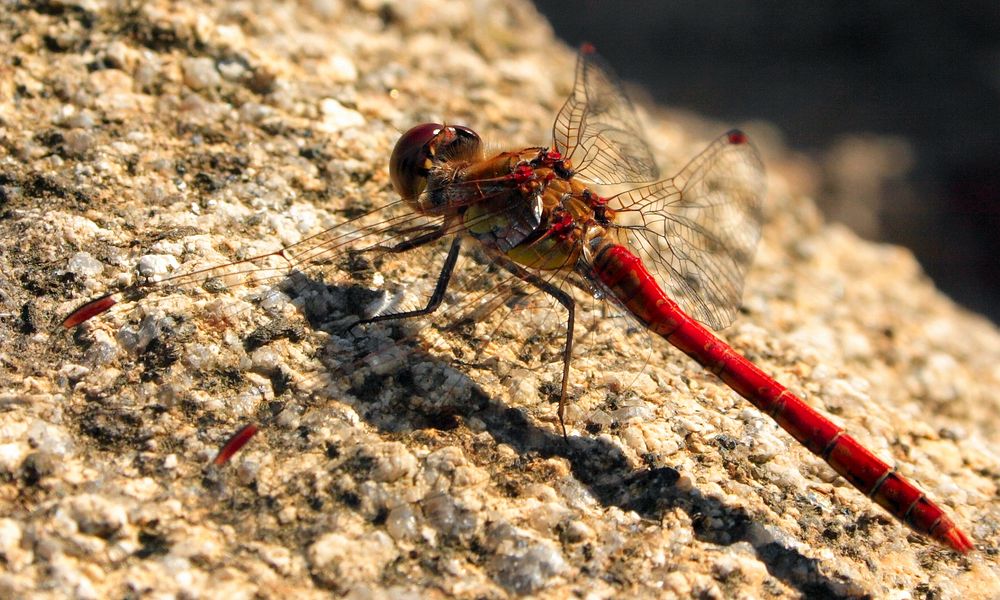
(697, 231)
(598, 130)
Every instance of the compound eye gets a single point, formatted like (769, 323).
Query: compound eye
(466, 137)
(411, 160)
(456, 142)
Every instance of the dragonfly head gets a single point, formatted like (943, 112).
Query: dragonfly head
(423, 147)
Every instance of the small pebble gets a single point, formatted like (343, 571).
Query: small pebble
(156, 266)
(337, 117)
(200, 73)
(84, 265)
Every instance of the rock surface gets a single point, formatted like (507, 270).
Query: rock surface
(142, 139)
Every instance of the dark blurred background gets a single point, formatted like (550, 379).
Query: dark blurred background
(898, 101)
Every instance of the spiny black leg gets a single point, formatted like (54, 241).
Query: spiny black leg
(567, 301)
(439, 288)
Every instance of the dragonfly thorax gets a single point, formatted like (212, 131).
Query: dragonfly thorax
(529, 208)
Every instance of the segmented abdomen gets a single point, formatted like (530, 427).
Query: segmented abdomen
(627, 278)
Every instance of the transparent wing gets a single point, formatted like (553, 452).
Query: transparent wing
(325, 283)
(697, 231)
(315, 259)
(597, 128)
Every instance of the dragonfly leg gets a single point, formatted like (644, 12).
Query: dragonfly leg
(567, 301)
(439, 289)
(425, 238)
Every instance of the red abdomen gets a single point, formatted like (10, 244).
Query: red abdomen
(627, 278)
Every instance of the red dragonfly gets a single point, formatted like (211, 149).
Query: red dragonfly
(672, 254)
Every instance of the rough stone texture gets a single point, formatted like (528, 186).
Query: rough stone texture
(137, 139)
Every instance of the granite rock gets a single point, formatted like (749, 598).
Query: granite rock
(140, 140)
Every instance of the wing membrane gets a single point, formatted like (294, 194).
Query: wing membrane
(697, 231)
(598, 130)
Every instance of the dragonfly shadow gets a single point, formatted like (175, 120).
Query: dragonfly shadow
(607, 473)
(601, 466)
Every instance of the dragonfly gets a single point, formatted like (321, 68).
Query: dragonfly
(671, 253)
